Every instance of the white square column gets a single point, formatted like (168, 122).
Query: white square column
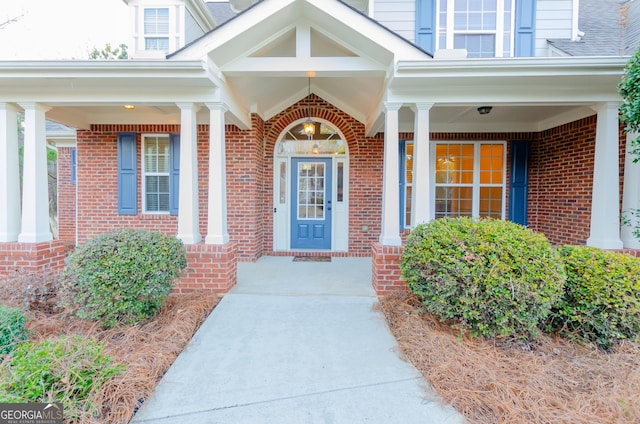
(35, 183)
(420, 203)
(390, 235)
(605, 203)
(630, 195)
(188, 202)
(217, 232)
(10, 215)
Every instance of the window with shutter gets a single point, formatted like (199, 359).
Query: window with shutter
(483, 27)
(156, 173)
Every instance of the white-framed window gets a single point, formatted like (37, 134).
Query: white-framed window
(483, 27)
(469, 179)
(156, 173)
(156, 29)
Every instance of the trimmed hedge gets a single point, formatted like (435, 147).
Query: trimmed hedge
(602, 296)
(494, 277)
(122, 277)
(12, 329)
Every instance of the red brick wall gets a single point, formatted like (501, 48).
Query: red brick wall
(211, 267)
(66, 197)
(385, 273)
(32, 257)
(561, 173)
(245, 184)
(97, 182)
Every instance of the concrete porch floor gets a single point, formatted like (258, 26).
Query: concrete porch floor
(279, 275)
(295, 342)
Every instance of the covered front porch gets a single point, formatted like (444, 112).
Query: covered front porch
(221, 110)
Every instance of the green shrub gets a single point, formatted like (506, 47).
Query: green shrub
(602, 296)
(12, 329)
(66, 369)
(122, 277)
(494, 277)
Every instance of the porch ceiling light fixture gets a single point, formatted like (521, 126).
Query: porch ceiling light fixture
(308, 125)
(129, 107)
(484, 110)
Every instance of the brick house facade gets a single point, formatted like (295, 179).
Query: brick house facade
(228, 108)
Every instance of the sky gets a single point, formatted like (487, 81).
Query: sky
(61, 29)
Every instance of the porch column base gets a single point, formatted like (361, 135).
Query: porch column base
(38, 258)
(385, 274)
(210, 267)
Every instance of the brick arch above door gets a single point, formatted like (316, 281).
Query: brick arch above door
(352, 129)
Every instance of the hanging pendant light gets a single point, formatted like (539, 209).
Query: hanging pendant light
(308, 125)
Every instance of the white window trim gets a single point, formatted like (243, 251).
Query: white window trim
(167, 35)
(176, 33)
(475, 205)
(498, 32)
(340, 210)
(145, 174)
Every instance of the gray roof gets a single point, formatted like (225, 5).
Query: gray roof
(54, 129)
(610, 27)
(221, 11)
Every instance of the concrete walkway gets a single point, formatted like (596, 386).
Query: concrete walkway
(295, 342)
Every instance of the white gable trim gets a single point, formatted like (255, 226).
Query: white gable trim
(286, 12)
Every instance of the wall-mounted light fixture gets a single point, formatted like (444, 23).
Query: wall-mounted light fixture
(484, 110)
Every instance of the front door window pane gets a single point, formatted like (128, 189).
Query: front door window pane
(311, 190)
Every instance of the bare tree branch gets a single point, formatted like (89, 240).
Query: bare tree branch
(4, 24)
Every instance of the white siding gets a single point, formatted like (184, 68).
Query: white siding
(192, 30)
(553, 20)
(397, 15)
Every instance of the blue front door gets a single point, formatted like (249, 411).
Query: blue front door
(311, 203)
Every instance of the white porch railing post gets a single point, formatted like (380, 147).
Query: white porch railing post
(188, 202)
(390, 235)
(35, 185)
(217, 232)
(630, 196)
(605, 204)
(421, 194)
(10, 215)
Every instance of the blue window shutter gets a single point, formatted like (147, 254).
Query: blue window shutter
(127, 174)
(525, 31)
(426, 24)
(519, 182)
(403, 179)
(174, 173)
(73, 165)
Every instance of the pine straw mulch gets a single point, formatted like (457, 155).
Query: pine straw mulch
(147, 349)
(551, 381)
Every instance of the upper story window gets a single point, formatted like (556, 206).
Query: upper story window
(156, 29)
(483, 27)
